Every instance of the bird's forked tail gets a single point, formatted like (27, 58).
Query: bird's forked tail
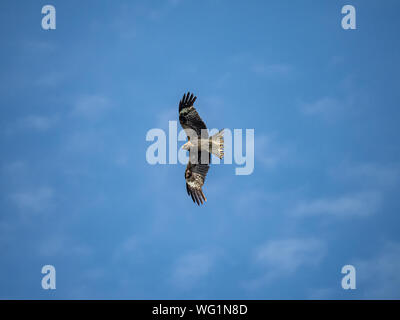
(217, 144)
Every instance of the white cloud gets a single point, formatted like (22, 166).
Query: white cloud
(286, 256)
(360, 204)
(282, 258)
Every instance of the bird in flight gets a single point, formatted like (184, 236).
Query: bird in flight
(200, 147)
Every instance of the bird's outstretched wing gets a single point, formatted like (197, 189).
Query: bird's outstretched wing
(189, 118)
(195, 175)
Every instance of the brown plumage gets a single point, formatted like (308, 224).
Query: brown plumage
(200, 146)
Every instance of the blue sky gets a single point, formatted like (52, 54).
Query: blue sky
(77, 192)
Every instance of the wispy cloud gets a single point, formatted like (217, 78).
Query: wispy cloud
(278, 69)
(35, 201)
(141, 10)
(359, 204)
(174, 2)
(282, 258)
(91, 107)
(288, 255)
(126, 248)
(38, 122)
(191, 268)
(62, 245)
(268, 152)
(322, 106)
(379, 276)
(244, 201)
(14, 167)
(33, 122)
(89, 141)
(368, 174)
(128, 16)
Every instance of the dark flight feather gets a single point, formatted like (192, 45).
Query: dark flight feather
(189, 118)
(195, 173)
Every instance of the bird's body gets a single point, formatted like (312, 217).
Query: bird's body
(204, 144)
(200, 147)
